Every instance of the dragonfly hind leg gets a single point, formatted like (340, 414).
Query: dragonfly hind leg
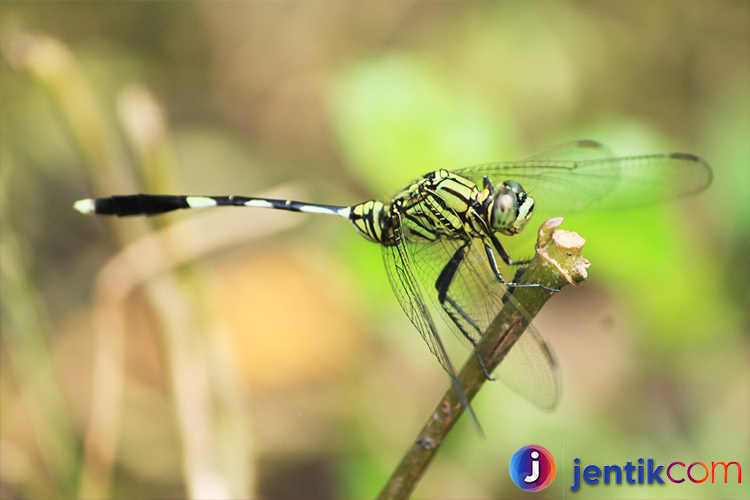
(442, 285)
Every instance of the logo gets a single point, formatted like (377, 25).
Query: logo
(532, 468)
(648, 472)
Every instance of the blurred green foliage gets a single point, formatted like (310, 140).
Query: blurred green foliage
(344, 102)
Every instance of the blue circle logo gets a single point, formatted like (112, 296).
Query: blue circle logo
(532, 468)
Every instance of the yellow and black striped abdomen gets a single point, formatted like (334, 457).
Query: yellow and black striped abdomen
(368, 218)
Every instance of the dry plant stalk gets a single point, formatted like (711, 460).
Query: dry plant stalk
(557, 262)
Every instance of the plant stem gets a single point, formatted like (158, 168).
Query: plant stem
(556, 263)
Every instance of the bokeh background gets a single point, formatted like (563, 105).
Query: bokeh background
(252, 354)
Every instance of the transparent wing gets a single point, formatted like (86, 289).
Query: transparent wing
(401, 275)
(577, 151)
(530, 368)
(564, 186)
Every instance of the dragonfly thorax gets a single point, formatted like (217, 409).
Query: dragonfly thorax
(444, 205)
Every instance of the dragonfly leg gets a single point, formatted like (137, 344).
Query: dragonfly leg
(442, 285)
(498, 274)
(487, 184)
(504, 254)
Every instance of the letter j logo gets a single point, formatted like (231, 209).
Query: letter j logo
(532, 468)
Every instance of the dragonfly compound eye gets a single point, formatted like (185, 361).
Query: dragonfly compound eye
(504, 209)
(511, 209)
(514, 186)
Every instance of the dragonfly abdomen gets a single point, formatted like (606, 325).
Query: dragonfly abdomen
(369, 219)
(154, 204)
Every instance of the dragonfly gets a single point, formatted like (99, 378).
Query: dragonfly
(441, 238)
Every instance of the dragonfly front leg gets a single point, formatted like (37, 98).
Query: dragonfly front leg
(510, 262)
(504, 254)
(442, 285)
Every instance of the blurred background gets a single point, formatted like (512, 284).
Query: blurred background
(254, 354)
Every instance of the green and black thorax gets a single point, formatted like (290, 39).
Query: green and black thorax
(442, 204)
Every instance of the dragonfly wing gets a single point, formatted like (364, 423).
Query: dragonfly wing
(577, 151)
(560, 187)
(530, 368)
(401, 274)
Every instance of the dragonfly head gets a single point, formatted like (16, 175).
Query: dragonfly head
(510, 209)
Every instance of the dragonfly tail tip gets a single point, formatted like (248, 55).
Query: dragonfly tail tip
(86, 206)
